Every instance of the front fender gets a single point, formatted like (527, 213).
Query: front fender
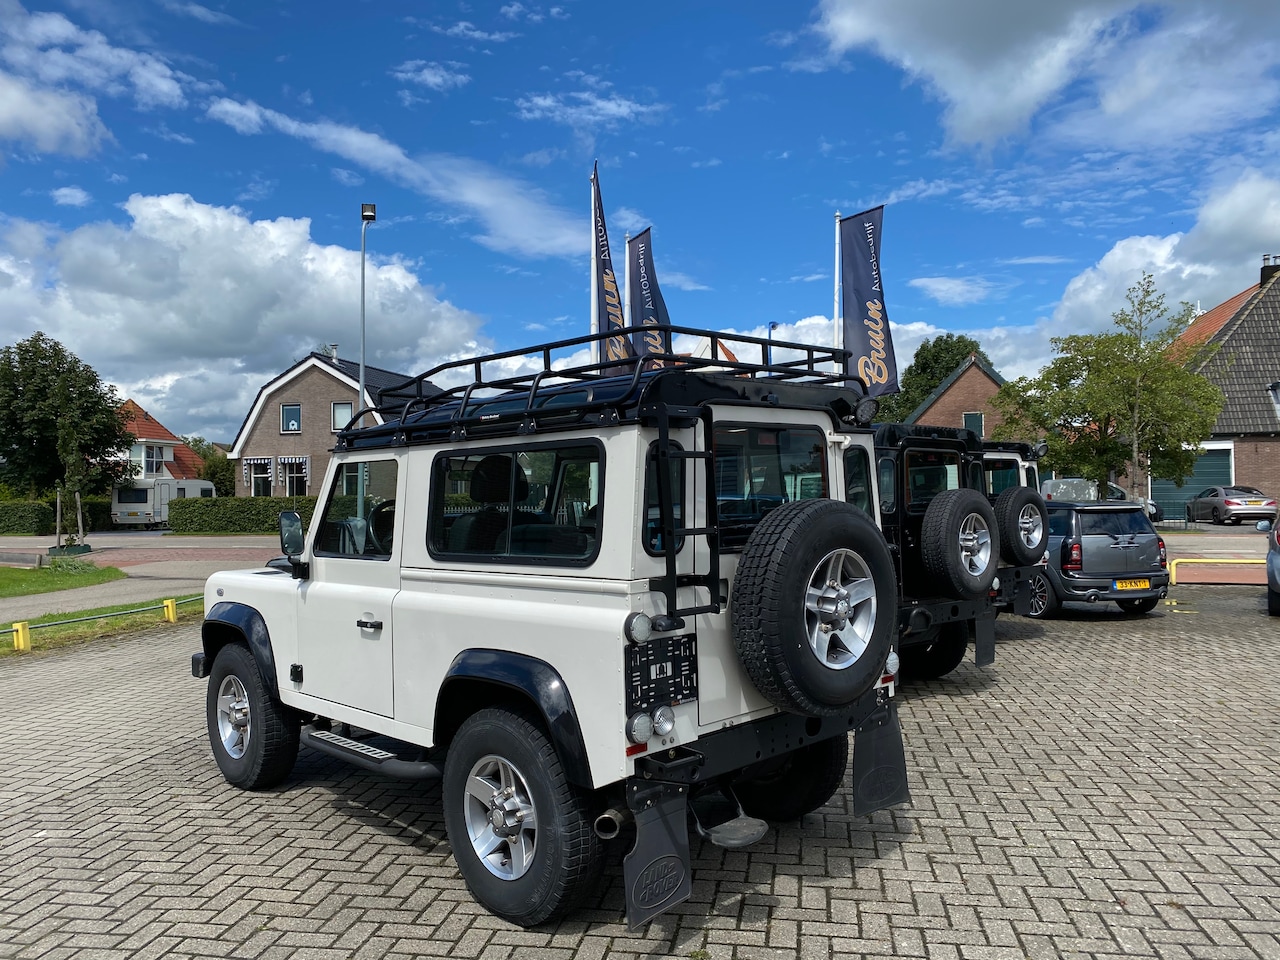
(535, 679)
(229, 622)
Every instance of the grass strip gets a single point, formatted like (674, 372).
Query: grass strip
(51, 638)
(23, 582)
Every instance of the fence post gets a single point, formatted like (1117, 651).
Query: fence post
(170, 611)
(22, 636)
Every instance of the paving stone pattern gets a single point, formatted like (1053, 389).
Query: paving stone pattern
(1109, 788)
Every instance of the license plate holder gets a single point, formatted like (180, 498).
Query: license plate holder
(1133, 583)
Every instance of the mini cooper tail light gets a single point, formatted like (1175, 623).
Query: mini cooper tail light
(1164, 554)
(1073, 558)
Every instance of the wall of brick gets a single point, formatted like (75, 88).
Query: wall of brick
(315, 390)
(971, 393)
(1257, 463)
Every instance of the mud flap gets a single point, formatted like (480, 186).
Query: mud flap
(1022, 597)
(984, 641)
(879, 763)
(656, 871)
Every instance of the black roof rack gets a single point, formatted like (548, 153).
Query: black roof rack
(552, 386)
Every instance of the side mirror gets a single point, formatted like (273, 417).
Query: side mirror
(1264, 526)
(293, 542)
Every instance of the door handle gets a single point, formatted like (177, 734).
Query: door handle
(369, 624)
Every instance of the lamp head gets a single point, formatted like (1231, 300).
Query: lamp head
(369, 212)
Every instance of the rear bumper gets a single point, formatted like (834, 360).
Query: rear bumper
(1093, 589)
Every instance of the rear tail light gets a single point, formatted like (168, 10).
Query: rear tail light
(1164, 554)
(1232, 503)
(1072, 559)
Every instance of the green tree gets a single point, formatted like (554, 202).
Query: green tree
(59, 424)
(934, 361)
(217, 469)
(1122, 402)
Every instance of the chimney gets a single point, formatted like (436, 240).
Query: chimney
(1270, 266)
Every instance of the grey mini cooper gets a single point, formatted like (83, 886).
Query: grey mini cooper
(1100, 551)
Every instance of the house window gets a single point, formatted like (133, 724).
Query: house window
(295, 476)
(260, 479)
(349, 479)
(155, 460)
(973, 421)
(290, 418)
(341, 415)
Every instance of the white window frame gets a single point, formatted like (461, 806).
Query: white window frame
(282, 426)
(334, 425)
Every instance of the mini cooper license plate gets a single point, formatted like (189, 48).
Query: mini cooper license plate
(1140, 584)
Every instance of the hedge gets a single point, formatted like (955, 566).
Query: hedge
(25, 516)
(235, 514)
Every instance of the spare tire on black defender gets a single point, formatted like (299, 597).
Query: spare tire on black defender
(1024, 525)
(958, 543)
(814, 606)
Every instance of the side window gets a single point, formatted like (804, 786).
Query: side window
(857, 479)
(538, 504)
(1059, 523)
(888, 485)
(1033, 479)
(758, 468)
(653, 511)
(360, 515)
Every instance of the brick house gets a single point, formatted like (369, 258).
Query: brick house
(283, 446)
(164, 469)
(964, 399)
(1245, 444)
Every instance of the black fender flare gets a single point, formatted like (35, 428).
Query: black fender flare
(227, 617)
(536, 680)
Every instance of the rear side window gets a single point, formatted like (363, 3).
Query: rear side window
(758, 468)
(1118, 523)
(653, 509)
(1059, 523)
(857, 479)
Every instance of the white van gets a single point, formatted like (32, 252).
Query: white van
(145, 503)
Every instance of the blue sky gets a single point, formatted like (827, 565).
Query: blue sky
(181, 182)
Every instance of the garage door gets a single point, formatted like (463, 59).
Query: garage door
(1212, 469)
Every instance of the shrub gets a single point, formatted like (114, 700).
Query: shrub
(25, 516)
(235, 514)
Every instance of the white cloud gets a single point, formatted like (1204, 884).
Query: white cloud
(632, 221)
(439, 77)
(586, 109)
(517, 218)
(681, 281)
(706, 164)
(954, 291)
(348, 178)
(919, 190)
(49, 121)
(191, 307)
(1035, 260)
(71, 197)
(468, 31)
(198, 12)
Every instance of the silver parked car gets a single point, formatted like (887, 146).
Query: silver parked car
(1231, 505)
(1273, 570)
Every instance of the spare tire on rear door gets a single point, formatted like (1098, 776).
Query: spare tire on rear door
(958, 543)
(814, 606)
(1024, 525)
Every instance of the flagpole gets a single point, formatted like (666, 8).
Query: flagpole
(836, 338)
(626, 278)
(595, 294)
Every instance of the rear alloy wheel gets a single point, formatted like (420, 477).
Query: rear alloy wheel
(1023, 522)
(937, 656)
(1044, 600)
(1217, 516)
(958, 543)
(1145, 605)
(814, 606)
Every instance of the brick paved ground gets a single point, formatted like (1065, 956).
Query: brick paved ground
(1110, 788)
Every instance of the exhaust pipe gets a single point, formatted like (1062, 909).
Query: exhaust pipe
(610, 823)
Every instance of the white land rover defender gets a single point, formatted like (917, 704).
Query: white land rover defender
(598, 602)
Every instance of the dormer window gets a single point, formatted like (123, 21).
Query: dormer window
(290, 418)
(154, 460)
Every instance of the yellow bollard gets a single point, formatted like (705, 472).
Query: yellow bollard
(170, 611)
(22, 636)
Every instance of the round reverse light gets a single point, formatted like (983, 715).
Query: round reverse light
(664, 721)
(892, 664)
(638, 628)
(640, 728)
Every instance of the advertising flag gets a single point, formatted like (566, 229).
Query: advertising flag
(866, 321)
(608, 296)
(647, 306)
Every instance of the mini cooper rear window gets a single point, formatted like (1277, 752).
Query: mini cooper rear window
(1116, 523)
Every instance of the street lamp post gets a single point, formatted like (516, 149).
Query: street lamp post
(368, 214)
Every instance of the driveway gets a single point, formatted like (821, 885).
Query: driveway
(1109, 788)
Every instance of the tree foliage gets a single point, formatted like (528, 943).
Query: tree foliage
(934, 361)
(217, 469)
(1124, 398)
(60, 426)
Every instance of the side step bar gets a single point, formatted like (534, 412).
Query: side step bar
(368, 757)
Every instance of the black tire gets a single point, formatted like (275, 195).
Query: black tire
(1146, 605)
(1273, 602)
(1217, 516)
(542, 877)
(938, 655)
(783, 597)
(799, 783)
(958, 543)
(1024, 525)
(1044, 599)
(254, 736)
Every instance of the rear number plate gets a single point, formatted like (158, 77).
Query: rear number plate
(1143, 584)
